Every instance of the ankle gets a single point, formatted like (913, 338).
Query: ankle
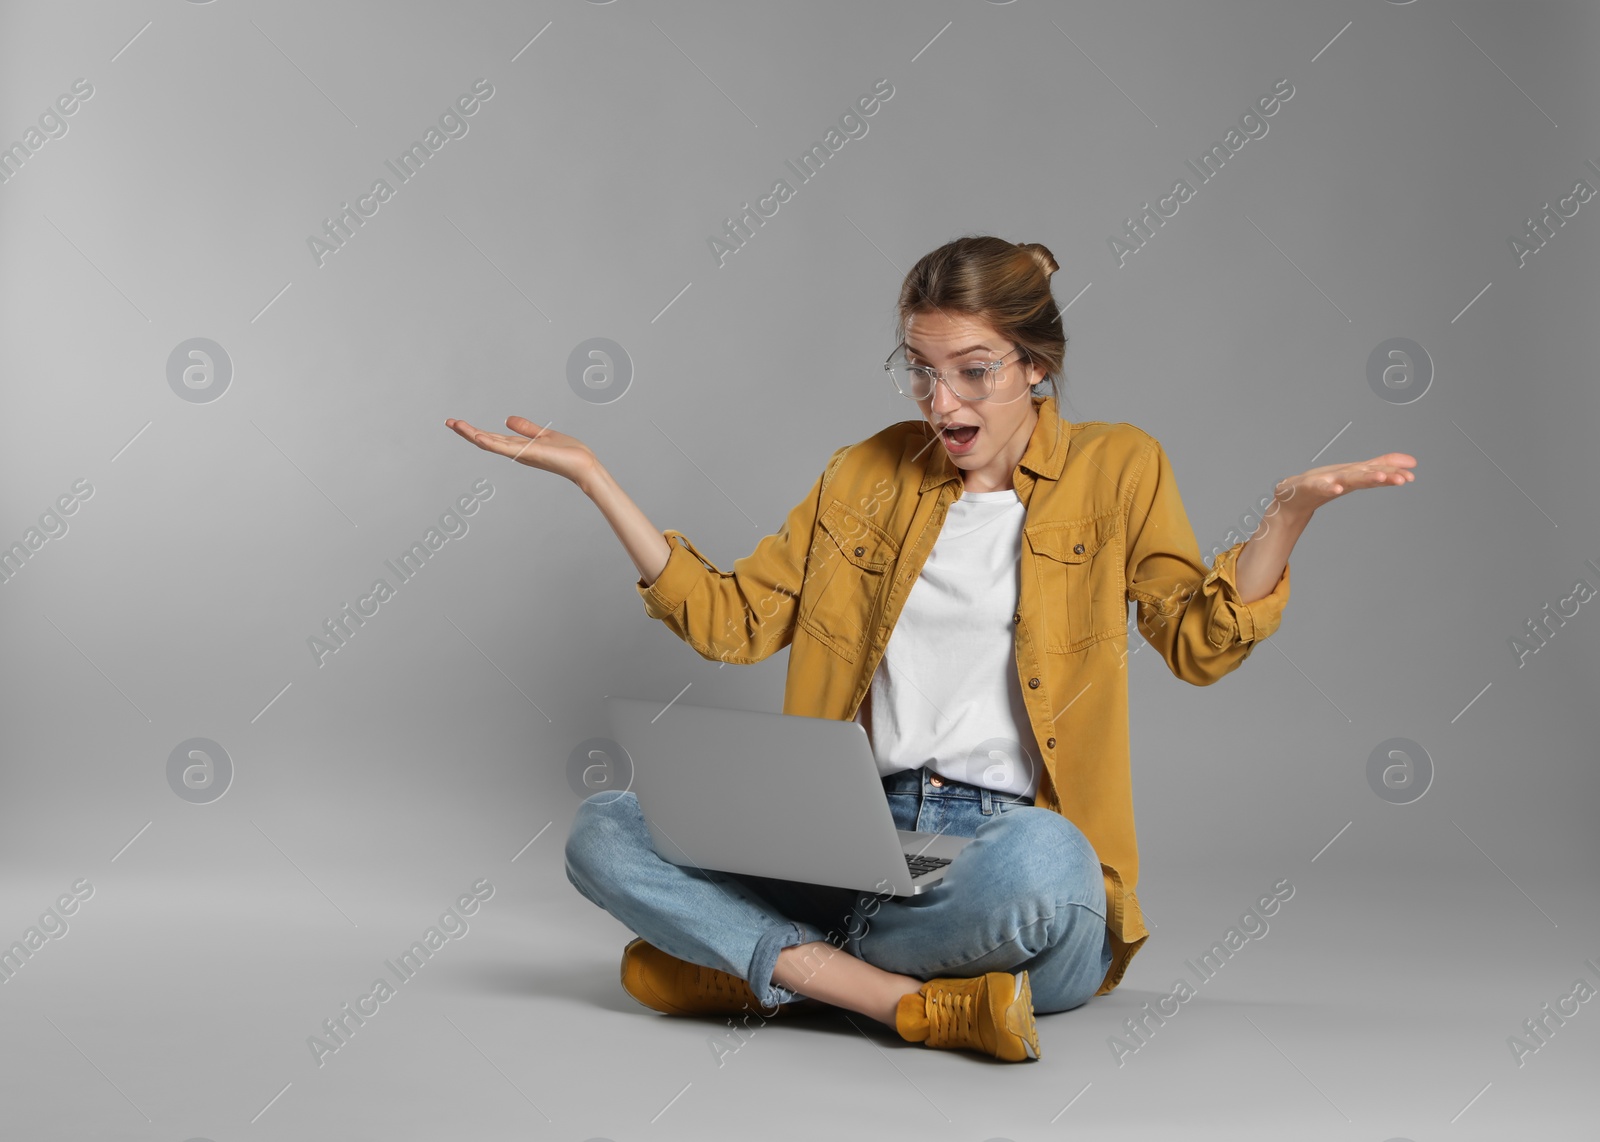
(894, 1000)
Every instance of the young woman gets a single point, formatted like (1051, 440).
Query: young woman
(999, 545)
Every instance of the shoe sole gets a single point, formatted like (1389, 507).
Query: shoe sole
(1018, 1018)
(622, 977)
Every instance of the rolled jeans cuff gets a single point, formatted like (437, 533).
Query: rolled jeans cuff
(765, 960)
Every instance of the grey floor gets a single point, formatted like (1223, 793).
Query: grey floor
(179, 1002)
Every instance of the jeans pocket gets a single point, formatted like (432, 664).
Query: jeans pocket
(903, 808)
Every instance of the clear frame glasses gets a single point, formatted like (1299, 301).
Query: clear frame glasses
(972, 381)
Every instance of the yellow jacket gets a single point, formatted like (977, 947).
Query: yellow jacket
(1104, 526)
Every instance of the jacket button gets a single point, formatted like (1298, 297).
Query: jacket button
(1051, 743)
(1017, 618)
(1076, 550)
(1033, 683)
(859, 550)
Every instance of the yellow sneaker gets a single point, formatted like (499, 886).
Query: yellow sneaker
(990, 1013)
(664, 983)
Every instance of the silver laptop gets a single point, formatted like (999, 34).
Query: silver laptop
(775, 795)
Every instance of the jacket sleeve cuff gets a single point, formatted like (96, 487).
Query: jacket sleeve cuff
(672, 586)
(1233, 619)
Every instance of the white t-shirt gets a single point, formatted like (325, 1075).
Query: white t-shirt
(946, 693)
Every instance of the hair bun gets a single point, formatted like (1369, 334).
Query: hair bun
(1041, 256)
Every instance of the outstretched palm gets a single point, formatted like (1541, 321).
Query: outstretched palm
(534, 446)
(1304, 493)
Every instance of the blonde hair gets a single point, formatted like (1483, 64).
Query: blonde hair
(1003, 284)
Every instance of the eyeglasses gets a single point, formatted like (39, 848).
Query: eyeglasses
(973, 381)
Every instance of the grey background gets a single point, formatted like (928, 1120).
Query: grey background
(431, 751)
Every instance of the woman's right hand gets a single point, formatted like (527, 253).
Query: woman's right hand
(534, 446)
(570, 457)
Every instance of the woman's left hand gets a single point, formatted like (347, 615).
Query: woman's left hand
(1303, 494)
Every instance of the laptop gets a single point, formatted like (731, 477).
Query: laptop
(774, 795)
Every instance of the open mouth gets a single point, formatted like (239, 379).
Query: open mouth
(961, 435)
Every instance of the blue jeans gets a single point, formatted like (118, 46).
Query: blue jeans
(1027, 893)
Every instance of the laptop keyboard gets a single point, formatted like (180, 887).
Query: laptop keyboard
(919, 864)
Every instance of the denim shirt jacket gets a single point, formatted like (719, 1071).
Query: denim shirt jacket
(1104, 527)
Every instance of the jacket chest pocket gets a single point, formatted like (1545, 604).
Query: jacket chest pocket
(850, 565)
(1076, 567)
